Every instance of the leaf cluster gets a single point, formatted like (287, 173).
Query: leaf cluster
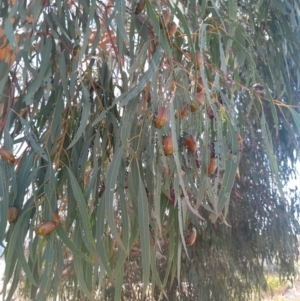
(81, 85)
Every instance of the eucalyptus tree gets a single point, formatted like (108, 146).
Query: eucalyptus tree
(147, 147)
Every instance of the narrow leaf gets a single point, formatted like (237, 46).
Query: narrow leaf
(86, 106)
(83, 214)
(110, 191)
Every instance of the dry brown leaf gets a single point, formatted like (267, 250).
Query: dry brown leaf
(6, 52)
(30, 19)
(12, 2)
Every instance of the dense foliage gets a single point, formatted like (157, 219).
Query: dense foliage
(127, 127)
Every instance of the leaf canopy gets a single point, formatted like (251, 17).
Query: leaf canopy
(81, 84)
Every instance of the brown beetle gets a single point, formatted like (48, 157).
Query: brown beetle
(46, 228)
(12, 213)
(190, 143)
(172, 27)
(140, 6)
(191, 235)
(198, 59)
(7, 155)
(168, 145)
(212, 161)
(183, 111)
(161, 117)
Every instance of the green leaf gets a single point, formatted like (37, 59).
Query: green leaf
(143, 216)
(69, 244)
(296, 117)
(32, 139)
(177, 161)
(12, 246)
(82, 212)
(119, 284)
(186, 28)
(23, 174)
(126, 97)
(9, 31)
(120, 18)
(4, 200)
(232, 7)
(78, 265)
(22, 260)
(86, 106)
(46, 277)
(100, 243)
(153, 267)
(91, 13)
(57, 119)
(270, 154)
(14, 283)
(110, 192)
(38, 80)
(119, 268)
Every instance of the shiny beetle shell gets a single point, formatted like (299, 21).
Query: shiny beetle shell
(12, 213)
(190, 143)
(210, 112)
(191, 236)
(193, 107)
(198, 59)
(199, 84)
(166, 16)
(152, 47)
(200, 96)
(212, 166)
(7, 155)
(140, 6)
(46, 228)
(183, 111)
(161, 118)
(172, 27)
(168, 145)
